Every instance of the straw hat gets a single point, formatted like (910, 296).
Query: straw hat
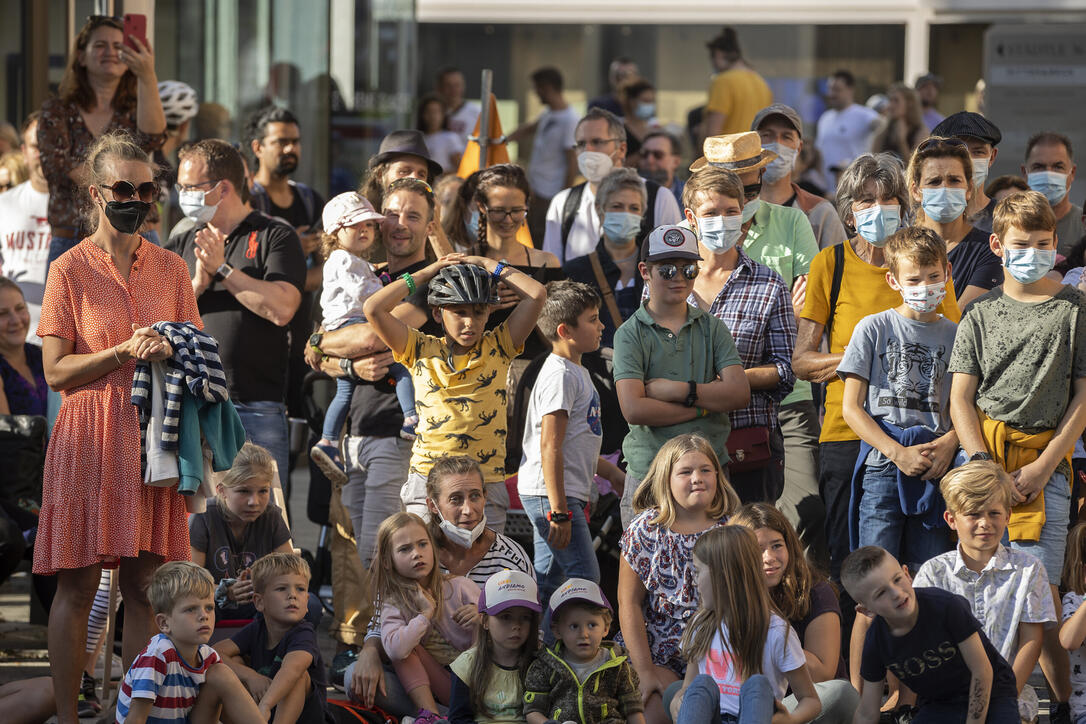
(738, 152)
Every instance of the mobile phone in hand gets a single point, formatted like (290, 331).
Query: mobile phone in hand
(135, 26)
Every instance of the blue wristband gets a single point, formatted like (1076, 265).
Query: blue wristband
(497, 273)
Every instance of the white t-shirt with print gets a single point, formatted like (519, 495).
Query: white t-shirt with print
(562, 385)
(782, 653)
(24, 245)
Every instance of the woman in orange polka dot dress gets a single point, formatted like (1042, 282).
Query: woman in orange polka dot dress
(100, 298)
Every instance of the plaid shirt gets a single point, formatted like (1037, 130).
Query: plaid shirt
(756, 306)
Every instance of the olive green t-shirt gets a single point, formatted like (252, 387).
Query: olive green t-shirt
(1026, 356)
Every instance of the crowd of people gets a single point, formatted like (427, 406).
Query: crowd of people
(831, 381)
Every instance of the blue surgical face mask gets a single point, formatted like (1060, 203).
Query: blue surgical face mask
(620, 227)
(1028, 265)
(876, 223)
(980, 172)
(1052, 184)
(645, 111)
(719, 234)
(943, 204)
(751, 209)
(782, 165)
(472, 224)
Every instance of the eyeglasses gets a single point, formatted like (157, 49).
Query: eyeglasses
(181, 188)
(937, 142)
(668, 271)
(126, 191)
(497, 215)
(594, 143)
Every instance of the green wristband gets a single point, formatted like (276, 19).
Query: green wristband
(409, 281)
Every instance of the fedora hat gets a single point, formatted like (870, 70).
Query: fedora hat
(738, 152)
(410, 143)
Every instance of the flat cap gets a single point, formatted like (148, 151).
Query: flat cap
(967, 123)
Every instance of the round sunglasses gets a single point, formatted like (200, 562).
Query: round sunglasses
(126, 191)
(668, 271)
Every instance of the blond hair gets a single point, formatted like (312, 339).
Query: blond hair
(655, 490)
(1025, 210)
(252, 462)
(740, 609)
(917, 244)
(276, 564)
(386, 586)
(175, 580)
(967, 488)
(1074, 563)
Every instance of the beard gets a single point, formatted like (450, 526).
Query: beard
(287, 165)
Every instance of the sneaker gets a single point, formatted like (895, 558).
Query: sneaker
(88, 703)
(407, 432)
(1059, 712)
(338, 667)
(425, 716)
(327, 459)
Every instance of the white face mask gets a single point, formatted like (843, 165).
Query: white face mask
(594, 165)
(719, 234)
(924, 298)
(193, 206)
(782, 165)
(980, 172)
(459, 536)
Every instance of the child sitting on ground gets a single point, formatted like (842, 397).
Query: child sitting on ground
(239, 527)
(350, 230)
(931, 641)
(178, 677)
(459, 377)
(277, 656)
(582, 678)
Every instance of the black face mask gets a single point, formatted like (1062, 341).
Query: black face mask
(127, 216)
(752, 191)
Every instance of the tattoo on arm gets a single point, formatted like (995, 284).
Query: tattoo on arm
(977, 700)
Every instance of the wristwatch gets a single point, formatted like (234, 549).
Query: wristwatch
(315, 341)
(223, 271)
(692, 398)
(980, 456)
(556, 517)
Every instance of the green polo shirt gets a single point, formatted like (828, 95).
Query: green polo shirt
(644, 350)
(781, 237)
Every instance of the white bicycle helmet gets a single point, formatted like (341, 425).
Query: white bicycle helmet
(178, 101)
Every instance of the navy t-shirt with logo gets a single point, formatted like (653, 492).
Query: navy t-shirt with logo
(252, 642)
(927, 659)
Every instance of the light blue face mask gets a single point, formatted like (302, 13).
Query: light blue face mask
(943, 204)
(980, 172)
(193, 207)
(645, 111)
(751, 209)
(782, 165)
(1028, 265)
(876, 223)
(719, 234)
(620, 227)
(472, 224)
(1052, 184)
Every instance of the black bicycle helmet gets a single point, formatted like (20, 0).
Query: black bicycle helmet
(461, 284)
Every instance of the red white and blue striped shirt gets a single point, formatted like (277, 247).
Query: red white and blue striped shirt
(159, 673)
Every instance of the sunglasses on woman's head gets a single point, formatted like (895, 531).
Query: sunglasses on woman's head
(668, 271)
(126, 191)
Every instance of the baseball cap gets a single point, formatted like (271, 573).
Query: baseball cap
(778, 109)
(577, 589)
(670, 242)
(506, 589)
(967, 123)
(347, 209)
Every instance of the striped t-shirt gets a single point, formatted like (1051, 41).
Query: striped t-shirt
(161, 674)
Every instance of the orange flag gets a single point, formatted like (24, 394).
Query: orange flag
(495, 153)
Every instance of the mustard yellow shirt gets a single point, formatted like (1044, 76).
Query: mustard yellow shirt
(461, 401)
(739, 94)
(864, 291)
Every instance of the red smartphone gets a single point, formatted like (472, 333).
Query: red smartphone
(135, 26)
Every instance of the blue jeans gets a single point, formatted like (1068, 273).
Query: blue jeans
(701, 702)
(554, 566)
(1053, 542)
(265, 424)
(883, 524)
(341, 403)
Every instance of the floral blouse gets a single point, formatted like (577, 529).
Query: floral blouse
(663, 560)
(65, 141)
